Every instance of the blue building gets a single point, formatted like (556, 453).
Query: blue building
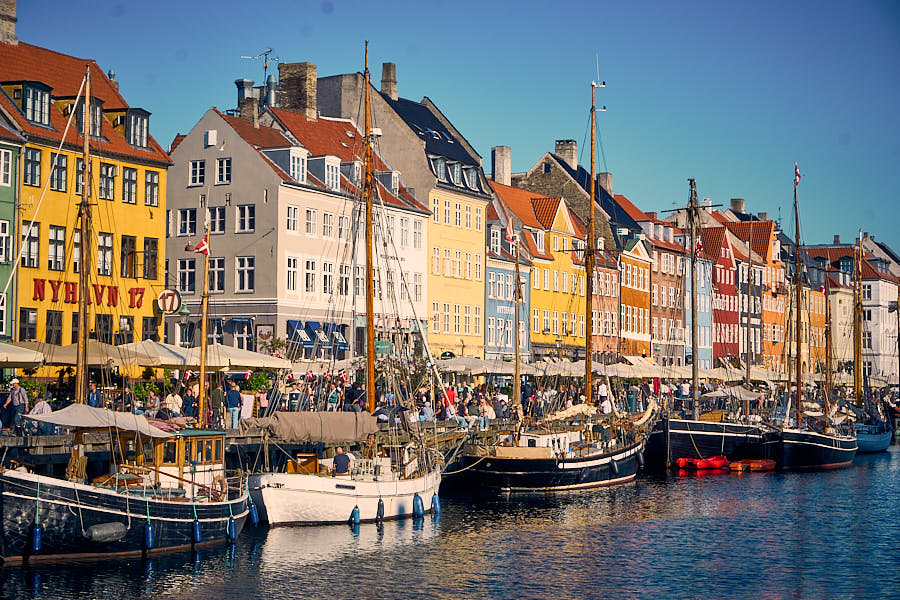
(499, 302)
(704, 314)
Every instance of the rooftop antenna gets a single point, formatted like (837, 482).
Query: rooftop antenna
(264, 56)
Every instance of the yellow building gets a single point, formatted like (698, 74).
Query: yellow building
(456, 275)
(127, 195)
(554, 237)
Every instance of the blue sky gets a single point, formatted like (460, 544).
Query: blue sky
(729, 93)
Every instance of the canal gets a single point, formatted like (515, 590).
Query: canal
(721, 535)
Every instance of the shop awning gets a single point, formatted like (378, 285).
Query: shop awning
(340, 342)
(314, 328)
(296, 333)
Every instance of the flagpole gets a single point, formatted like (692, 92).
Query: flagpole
(204, 303)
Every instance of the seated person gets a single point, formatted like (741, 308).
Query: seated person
(341, 462)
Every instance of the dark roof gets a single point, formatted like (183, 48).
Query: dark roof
(426, 125)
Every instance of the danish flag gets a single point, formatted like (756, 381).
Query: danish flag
(202, 246)
(796, 175)
(699, 248)
(509, 231)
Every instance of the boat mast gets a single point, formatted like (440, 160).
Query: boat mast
(749, 301)
(517, 383)
(368, 193)
(828, 349)
(589, 262)
(84, 211)
(693, 220)
(204, 305)
(798, 293)
(857, 323)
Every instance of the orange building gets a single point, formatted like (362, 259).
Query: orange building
(634, 306)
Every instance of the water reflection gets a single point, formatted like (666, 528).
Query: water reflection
(750, 535)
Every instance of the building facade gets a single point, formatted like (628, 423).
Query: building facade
(500, 305)
(10, 150)
(635, 264)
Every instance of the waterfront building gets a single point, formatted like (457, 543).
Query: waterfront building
(667, 284)
(748, 286)
(554, 238)
(499, 306)
(635, 295)
(605, 305)
(127, 192)
(717, 249)
(704, 268)
(11, 143)
(437, 162)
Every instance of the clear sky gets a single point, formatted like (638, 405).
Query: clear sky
(729, 93)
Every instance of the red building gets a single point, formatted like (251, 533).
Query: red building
(726, 314)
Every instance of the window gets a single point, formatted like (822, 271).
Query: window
(446, 318)
(6, 168)
(867, 314)
(216, 219)
(126, 330)
(495, 240)
(149, 329)
(468, 217)
(298, 167)
(187, 221)
(477, 219)
(76, 251)
(151, 188)
(555, 243)
(129, 185)
(477, 320)
(344, 281)
(343, 231)
(468, 265)
(197, 173)
(223, 170)
(867, 291)
(216, 274)
(867, 340)
(58, 172)
(332, 176)
(56, 248)
(440, 168)
(436, 210)
(30, 243)
(490, 331)
(187, 275)
(129, 256)
(456, 319)
(417, 287)
(293, 267)
(5, 242)
(310, 277)
(32, 172)
(404, 232)
(246, 218)
(447, 212)
(104, 253)
(311, 219)
(457, 215)
(151, 257)
(546, 320)
(555, 281)
(491, 291)
(457, 263)
(327, 225)
(54, 327)
(328, 278)
(540, 241)
(27, 324)
(358, 281)
(477, 267)
(417, 234)
(535, 320)
(137, 128)
(107, 188)
(435, 260)
(36, 104)
(245, 274)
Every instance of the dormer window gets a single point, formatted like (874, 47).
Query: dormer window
(440, 168)
(298, 165)
(471, 175)
(352, 170)
(96, 117)
(137, 126)
(495, 240)
(36, 103)
(540, 241)
(456, 173)
(333, 176)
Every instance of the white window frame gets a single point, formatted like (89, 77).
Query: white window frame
(244, 274)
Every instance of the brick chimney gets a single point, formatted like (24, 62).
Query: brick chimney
(8, 22)
(604, 180)
(738, 205)
(501, 164)
(297, 88)
(249, 110)
(652, 215)
(389, 80)
(837, 239)
(568, 151)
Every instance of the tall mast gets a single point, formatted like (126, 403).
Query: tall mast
(204, 305)
(797, 293)
(749, 301)
(84, 210)
(828, 349)
(693, 219)
(589, 264)
(368, 193)
(857, 322)
(517, 384)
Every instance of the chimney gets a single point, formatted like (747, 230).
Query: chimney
(604, 180)
(389, 80)
(244, 89)
(568, 151)
(111, 75)
(249, 110)
(763, 216)
(8, 22)
(652, 216)
(837, 239)
(865, 235)
(738, 205)
(501, 160)
(297, 88)
(270, 91)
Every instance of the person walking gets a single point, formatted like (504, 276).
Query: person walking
(15, 404)
(217, 403)
(233, 404)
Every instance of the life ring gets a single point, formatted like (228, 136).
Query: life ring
(219, 488)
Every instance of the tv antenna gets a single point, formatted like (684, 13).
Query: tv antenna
(265, 57)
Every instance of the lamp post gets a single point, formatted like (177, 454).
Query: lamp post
(183, 313)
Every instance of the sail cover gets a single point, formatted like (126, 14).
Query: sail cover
(87, 417)
(314, 427)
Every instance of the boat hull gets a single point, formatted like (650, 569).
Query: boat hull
(66, 510)
(672, 439)
(305, 499)
(529, 475)
(801, 450)
(873, 439)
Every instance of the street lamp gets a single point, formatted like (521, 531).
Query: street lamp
(183, 313)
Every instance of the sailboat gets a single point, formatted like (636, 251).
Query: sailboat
(558, 454)
(873, 430)
(676, 438)
(814, 443)
(166, 490)
(389, 481)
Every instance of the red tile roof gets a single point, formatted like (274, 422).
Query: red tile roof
(519, 202)
(63, 73)
(531, 245)
(8, 134)
(545, 210)
(713, 238)
(718, 216)
(179, 137)
(758, 233)
(633, 211)
(261, 137)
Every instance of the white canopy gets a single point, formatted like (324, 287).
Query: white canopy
(157, 354)
(220, 356)
(87, 417)
(16, 356)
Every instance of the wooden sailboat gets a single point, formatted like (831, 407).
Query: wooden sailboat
(814, 443)
(555, 455)
(390, 482)
(165, 490)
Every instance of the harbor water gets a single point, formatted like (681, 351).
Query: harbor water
(717, 535)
